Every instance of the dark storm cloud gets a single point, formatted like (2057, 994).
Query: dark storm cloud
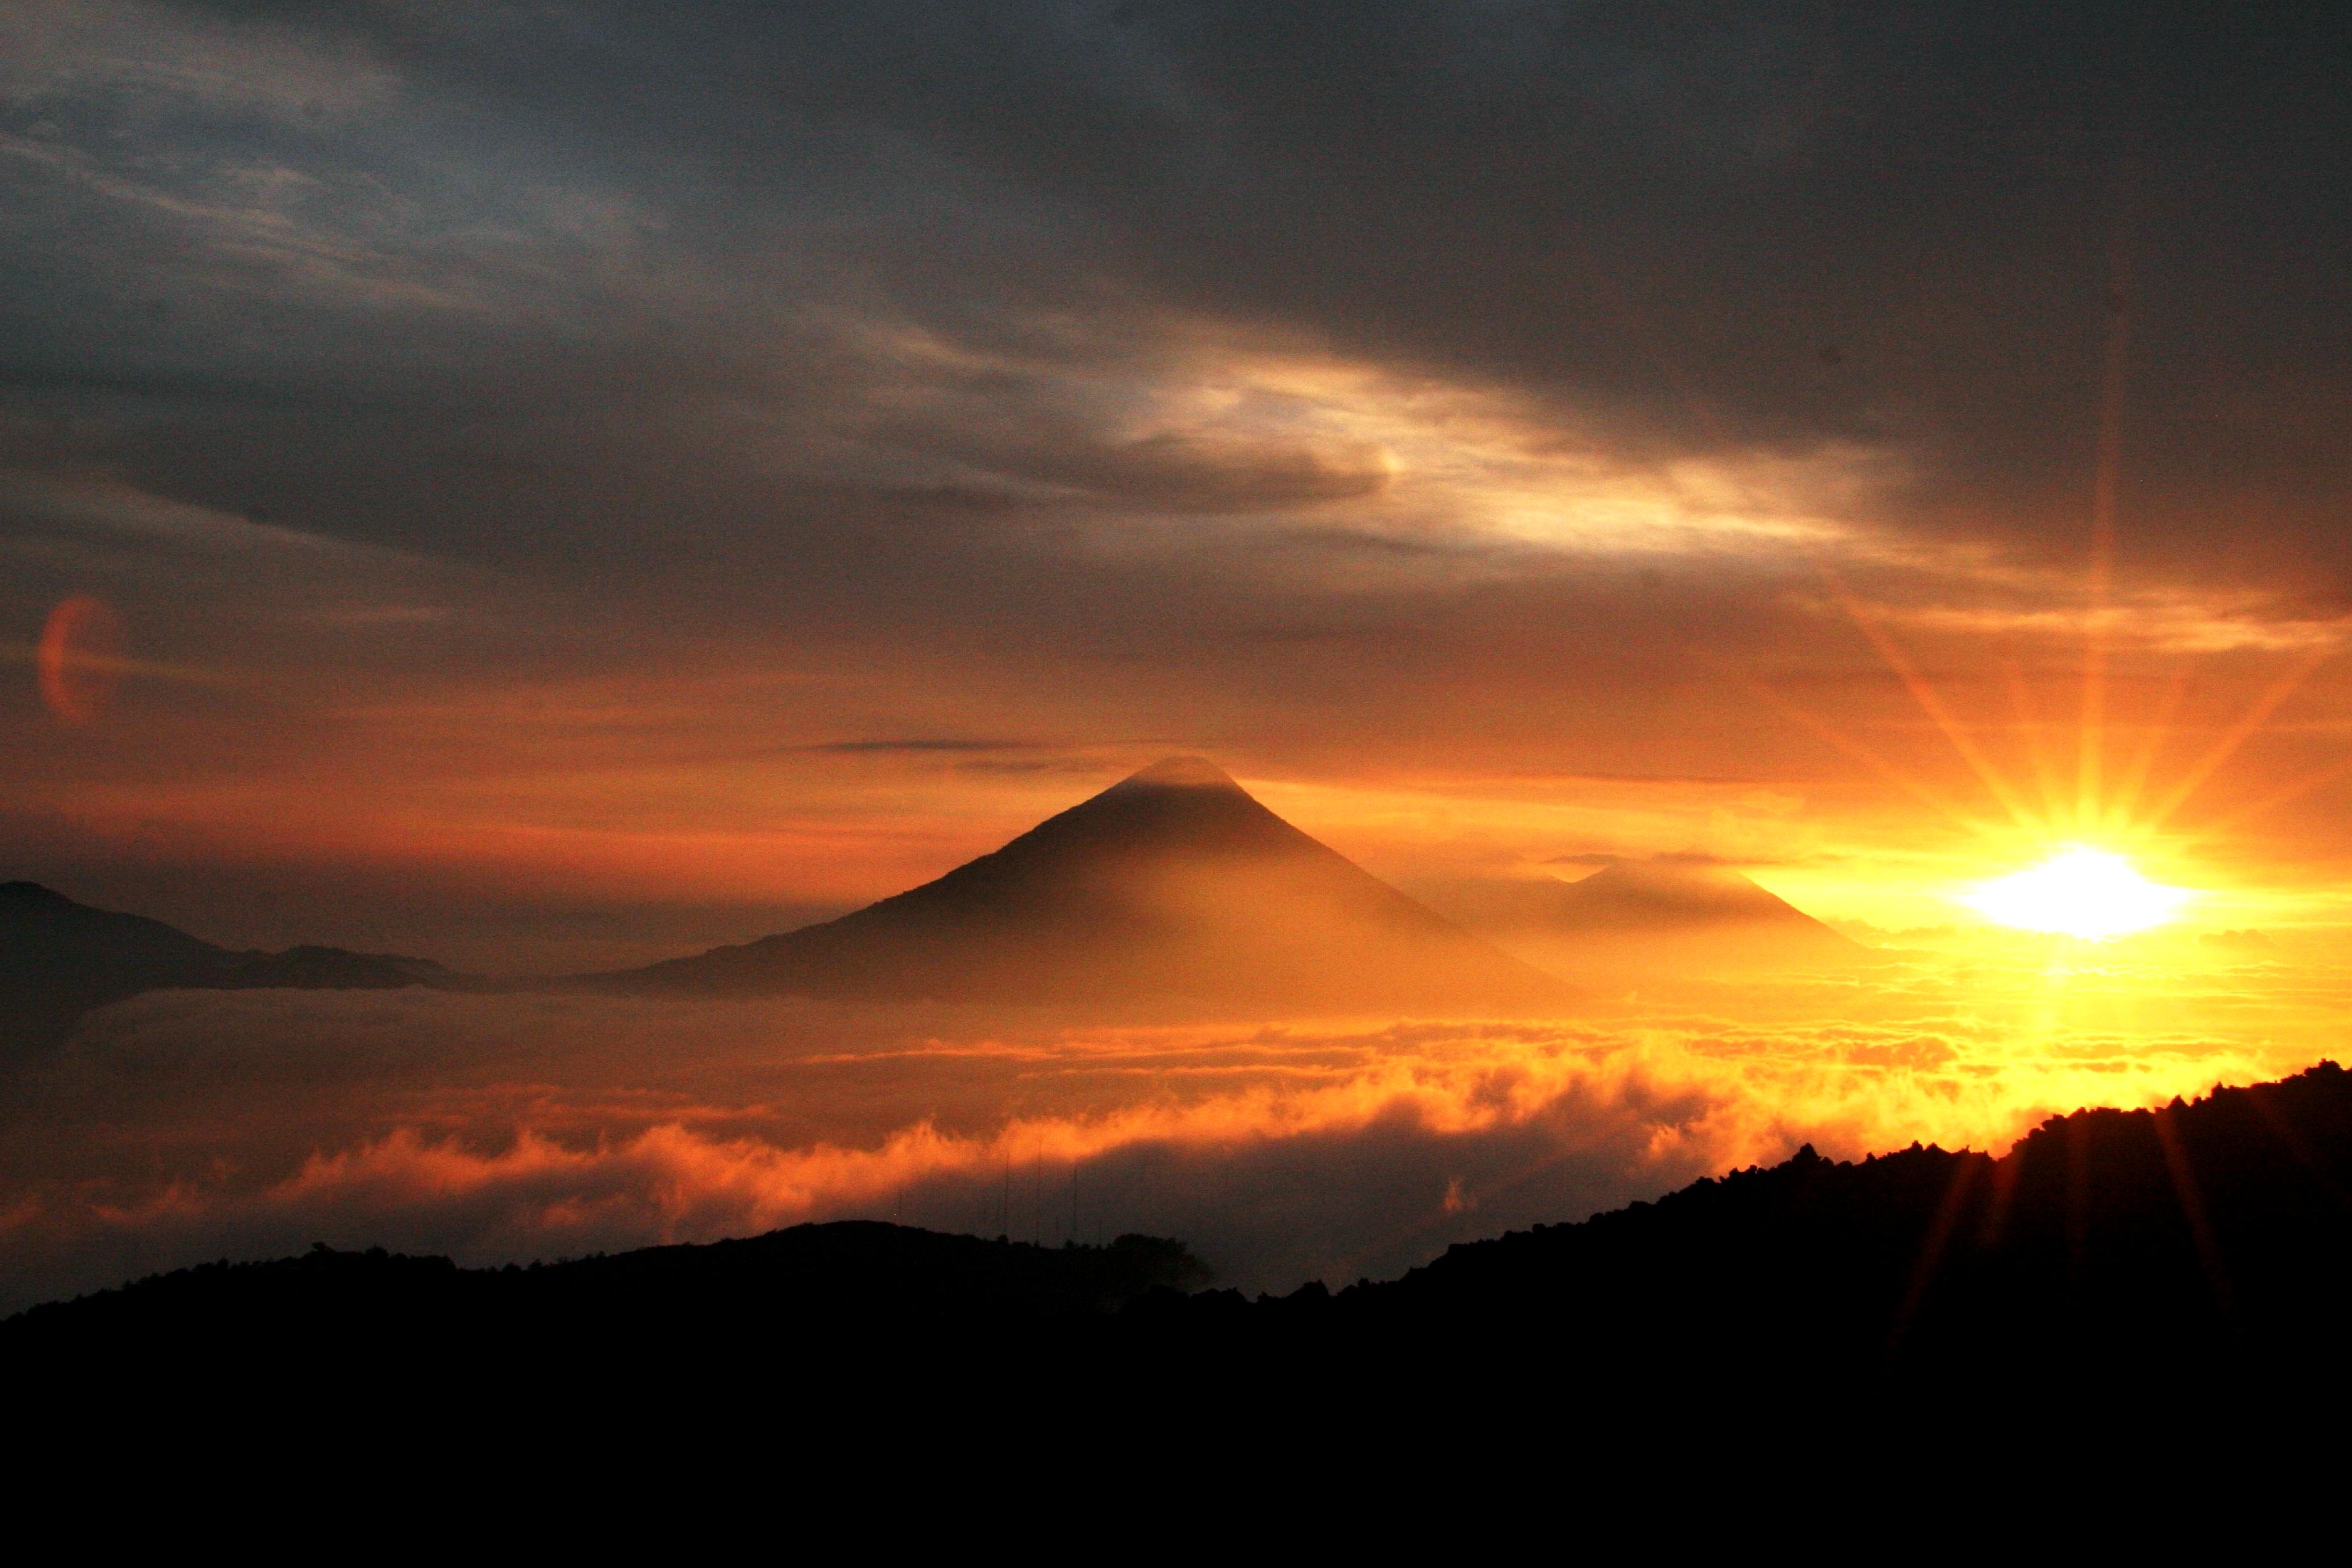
(1883, 224)
(476, 246)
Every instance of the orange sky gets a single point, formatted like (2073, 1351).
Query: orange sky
(1864, 757)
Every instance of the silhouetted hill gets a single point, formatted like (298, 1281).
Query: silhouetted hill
(2206, 1243)
(312, 968)
(2196, 1254)
(1646, 915)
(1174, 885)
(59, 959)
(850, 1278)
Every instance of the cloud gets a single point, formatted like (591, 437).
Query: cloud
(183, 528)
(922, 746)
(1443, 193)
(181, 1127)
(1597, 859)
(164, 54)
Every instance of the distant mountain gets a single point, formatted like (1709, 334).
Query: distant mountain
(59, 959)
(1644, 915)
(1172, 886)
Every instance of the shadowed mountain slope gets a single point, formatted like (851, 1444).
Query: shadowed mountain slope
(1647, 915)
(1172, 886)
(59, 959)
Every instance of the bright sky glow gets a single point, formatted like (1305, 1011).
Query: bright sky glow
(2078, 891)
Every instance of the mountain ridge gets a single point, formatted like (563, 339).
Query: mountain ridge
(60, 960)
(1645, 915)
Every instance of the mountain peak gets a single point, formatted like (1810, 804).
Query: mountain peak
(1676, 893)
(1182, 772)
(1171, 885)
(1670, 915)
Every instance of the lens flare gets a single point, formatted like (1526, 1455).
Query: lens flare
(79, 658)
(2079, 892)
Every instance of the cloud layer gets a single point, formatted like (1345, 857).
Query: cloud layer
(181, 1127)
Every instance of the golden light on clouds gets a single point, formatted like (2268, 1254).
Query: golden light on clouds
(1477, 460)
(189, 1125)
(2079, 892)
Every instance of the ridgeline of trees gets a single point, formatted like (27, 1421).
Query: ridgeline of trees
(2201, 1251)
(2205, 1245)
(848, 1277)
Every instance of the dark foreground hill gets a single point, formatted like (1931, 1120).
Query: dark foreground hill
(2212, 1239)
(1172, 888)
(59, 959)
(2198, 1257)
(860, 1279)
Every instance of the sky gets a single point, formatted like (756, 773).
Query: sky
(543, 487)
(568, 484)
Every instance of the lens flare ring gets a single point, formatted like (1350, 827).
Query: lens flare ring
(78, 659)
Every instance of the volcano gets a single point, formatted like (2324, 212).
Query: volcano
(1649, 915)
(1173, 888)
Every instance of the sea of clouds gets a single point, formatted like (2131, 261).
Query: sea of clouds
(181, 1127)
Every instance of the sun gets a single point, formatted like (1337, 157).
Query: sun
(2078, 891)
